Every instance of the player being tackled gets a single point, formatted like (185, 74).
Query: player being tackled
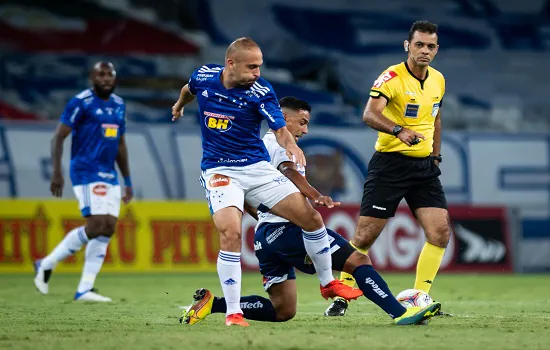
(233, 101)
(280, 250)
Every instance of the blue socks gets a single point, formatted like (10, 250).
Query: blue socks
(254, 307)
(375, 289)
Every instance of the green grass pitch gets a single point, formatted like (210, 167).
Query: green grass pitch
(491, 312)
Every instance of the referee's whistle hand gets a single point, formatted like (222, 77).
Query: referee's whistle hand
(410, 137)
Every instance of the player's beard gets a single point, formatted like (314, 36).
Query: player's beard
(246, 84)
(102, 92)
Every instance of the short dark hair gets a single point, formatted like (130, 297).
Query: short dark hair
(294, 103)
(423, 27)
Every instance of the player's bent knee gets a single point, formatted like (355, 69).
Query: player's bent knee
(94, 226)
(367, 231)
(313, 221)
(285, 313)
(109, 227)
(441, 236)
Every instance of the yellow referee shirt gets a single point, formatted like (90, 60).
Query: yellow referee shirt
(412, 103)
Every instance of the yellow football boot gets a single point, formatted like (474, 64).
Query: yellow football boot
(201, 307)
(417, 315)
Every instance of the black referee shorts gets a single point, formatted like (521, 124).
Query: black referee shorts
(393, 176)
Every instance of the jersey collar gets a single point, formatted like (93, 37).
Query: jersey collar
(220, 84)
(99, 98)
(421, 81)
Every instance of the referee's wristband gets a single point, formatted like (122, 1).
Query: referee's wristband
(128, 181)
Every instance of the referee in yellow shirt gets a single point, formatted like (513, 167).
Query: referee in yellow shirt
(405, 107)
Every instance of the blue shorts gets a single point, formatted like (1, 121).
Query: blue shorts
(280, 248)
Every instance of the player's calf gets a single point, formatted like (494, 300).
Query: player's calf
(435, 222)
(71, 244)
(372, 284)
(228, 223)
(254, 307)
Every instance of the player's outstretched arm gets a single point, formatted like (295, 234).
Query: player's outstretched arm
(57, 182)
(289, 170)
(287, 141)
(374, 118)
(185, 97)
(124, 166)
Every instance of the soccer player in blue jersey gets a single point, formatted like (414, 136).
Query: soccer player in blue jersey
(96, 118)
(279, 251)
(233, 101)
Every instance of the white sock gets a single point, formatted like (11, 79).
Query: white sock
(95, 255)
(71, 244)
(318, 249)
(230, 273)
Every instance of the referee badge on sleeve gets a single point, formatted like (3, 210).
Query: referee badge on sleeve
(435, 109)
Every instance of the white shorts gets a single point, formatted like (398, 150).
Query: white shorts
(260, 184)
(98, 198)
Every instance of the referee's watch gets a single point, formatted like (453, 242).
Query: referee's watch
(396, 130)
(439, 158)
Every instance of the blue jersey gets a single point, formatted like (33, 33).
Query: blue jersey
(97, 126)
(231, 119)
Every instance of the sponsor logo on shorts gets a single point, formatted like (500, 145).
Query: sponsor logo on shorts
(100, 190)
(281, 180)
(257, 246)
(218, 180)
(379, 208)
(275, 234)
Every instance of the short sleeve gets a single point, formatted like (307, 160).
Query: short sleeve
(192, 82)
(442, 89)
(202, 74)
(278, 156)
(73, 112)
(271, 111)
(382, 86)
